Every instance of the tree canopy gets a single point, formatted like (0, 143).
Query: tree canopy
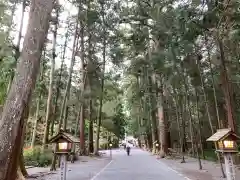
(159, 70)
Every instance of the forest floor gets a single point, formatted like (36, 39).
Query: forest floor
(85, 168)
(211, 170)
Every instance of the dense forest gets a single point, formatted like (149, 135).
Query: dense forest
(163, 71)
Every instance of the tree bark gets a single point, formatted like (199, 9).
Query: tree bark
(19, 175)
(49, 104)
(176, 100)
(191, 130)
(199, 135)
(90, 129)
(149, 141)
(205, 96)
(226, 86)
(68, 87)
(22, 166)
(51, 81)
(23, 171)
(88, 76)
(37, 118)
(187, 109)
(153, 113)
(22, 86)
(38, 104)
(82, 89)
(19, 141)
(161, 120)
(66, 109)
(182, 116)
(213, 84)
(220, 122)
(82, 131)
(199, 125)
(55, 108)
(102, 83)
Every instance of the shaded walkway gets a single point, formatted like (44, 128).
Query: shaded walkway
(83, 169)
(139, 166)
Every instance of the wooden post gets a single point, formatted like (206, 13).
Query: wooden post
(230, 171)
(111, 152)
(63, 167)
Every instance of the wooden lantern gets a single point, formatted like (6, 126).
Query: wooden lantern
(64, 142)
(226, 140)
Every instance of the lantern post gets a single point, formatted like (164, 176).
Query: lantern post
(226, 144)
(64, 143)
(157, 147)
(110, 146)
(64, 148)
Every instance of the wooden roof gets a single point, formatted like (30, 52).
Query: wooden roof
(221, 134)
(64, 135)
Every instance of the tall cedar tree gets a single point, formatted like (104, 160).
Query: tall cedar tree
(12, 120)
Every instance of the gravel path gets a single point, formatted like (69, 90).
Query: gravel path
(210, 171)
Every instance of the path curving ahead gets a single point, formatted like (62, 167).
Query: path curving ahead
(140, 165)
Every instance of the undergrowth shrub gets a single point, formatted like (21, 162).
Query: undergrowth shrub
(103, 146)
(35, 157)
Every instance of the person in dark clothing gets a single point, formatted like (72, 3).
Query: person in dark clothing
(128, 150)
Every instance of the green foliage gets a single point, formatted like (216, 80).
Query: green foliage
(161, 39)
(117, 54)
(6, 67)
(210, 155)
(92, 17)
(35, 157)
(103, 146)
(119, 121)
